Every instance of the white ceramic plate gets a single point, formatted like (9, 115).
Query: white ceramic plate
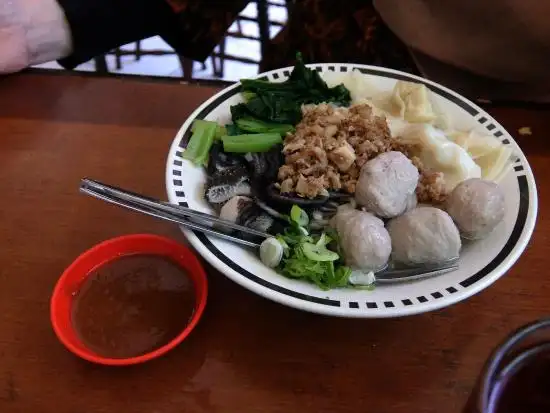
(481, 263)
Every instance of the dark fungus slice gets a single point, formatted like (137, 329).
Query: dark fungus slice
(224, 184)
(264, 166)
(274, 195)
(246, 211)
(339, 196)
(272, 211)
(220, 160)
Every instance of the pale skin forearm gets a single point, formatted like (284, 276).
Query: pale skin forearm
(32, 32)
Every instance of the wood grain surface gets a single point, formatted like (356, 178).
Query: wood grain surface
(248, 354)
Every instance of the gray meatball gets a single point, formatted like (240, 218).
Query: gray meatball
(364, 241)
(387, 185)
(477, 207)
(425, 235)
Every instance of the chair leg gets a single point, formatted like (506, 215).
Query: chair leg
(221, 70)
(138, 50)
(289, 4)
(186, 67)
(100, 64)
(239, 26)
(263, 25)
(118, 60)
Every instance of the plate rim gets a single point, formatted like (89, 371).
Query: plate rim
(199, 241)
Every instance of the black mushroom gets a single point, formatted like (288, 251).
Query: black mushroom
(219, 160)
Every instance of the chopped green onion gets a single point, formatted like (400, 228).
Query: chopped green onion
(307, 257)
(258, 142)
(319, 252)
(271, 252)
(299, 216)
(201, 140)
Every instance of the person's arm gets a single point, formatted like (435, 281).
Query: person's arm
(75, 31)
(32, 32)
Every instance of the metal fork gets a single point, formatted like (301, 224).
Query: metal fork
(182, 216)
(168, 212)
(399, 275)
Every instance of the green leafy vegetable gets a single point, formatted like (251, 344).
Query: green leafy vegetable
(220, 131)
(248, 95)
(307, 256)
(201, 140)
(252, 125)
(281, 102)
(233, 130)
(256, 142)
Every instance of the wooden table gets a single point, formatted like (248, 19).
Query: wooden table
(248, 354)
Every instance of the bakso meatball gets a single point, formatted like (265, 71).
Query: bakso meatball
(364, 241)
(477, 206)
(425, 235)
(387, 185)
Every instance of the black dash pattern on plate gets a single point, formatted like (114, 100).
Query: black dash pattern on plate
(177, 162)
(422, 299)
(371, 304)
(490, 126)
(437, 294)
(389, 304)
(353, 304)
(177, 182)
(407, 302)
(451, 290)
(482, 120)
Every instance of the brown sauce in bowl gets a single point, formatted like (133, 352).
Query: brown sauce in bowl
(132, 305)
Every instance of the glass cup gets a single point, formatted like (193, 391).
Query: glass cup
(516, 379)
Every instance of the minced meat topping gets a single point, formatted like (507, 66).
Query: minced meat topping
(330, 145)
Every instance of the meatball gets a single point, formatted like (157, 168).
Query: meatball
(425, 235)
(477, 207)
(387, 185)
(364, 241)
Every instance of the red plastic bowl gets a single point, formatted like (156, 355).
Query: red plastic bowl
(76, 273)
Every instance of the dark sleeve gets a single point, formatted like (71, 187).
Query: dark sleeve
(192, 27)
(98, 26)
